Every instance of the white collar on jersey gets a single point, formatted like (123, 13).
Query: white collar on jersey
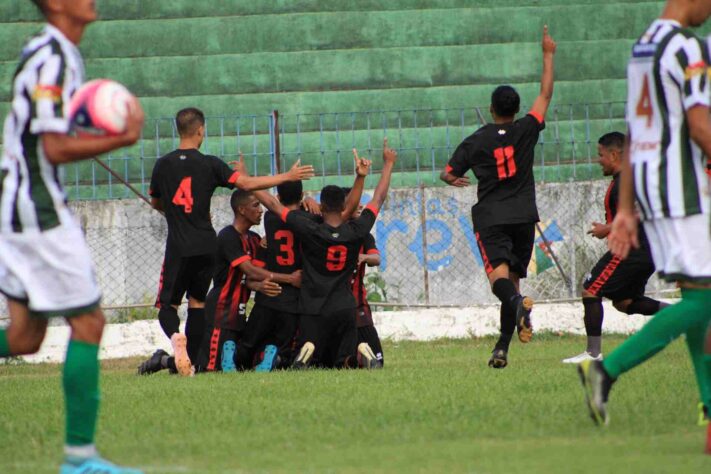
(668, 21)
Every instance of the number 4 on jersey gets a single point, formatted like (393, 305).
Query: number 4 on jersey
(644, 105)
(184, 195)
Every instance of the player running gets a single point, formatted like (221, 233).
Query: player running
(501, 157)
(45, 266)
(622, 281)
(182, 185)
(669, 134)
(327, 329)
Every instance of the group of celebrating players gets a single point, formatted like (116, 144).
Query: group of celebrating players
(311, 308)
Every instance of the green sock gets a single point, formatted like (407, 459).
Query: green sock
(691, 313)
(4, 346)
(695, 340)
(81, 392)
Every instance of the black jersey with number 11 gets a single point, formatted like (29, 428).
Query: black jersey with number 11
(184, 181)
(501, 157)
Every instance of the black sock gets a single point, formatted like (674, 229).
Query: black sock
(593, 324)
(505, 290)
(194, 329)
(169, 320)
(645, 306)
(503, 342)
(170, 364)
(507, 319)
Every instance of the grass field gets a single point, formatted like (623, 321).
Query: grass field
(435, 408)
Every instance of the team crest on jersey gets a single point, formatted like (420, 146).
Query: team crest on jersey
(335, 235)
(502, 131)
(53, 93)
(183, 157)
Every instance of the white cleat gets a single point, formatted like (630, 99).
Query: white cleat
(581, 357)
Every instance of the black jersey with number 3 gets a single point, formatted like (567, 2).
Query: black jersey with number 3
(330, 256)
(501, 157)
(184, 181)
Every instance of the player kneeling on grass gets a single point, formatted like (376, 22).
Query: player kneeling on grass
(45, 266)
(623, 281)
(226, 303)
(182, 185)
(504, 217)
(327, 328)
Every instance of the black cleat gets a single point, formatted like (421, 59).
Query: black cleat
(523, 319)
(153, 364)
(499, 359)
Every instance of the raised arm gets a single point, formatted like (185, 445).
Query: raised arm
(253, 183)
(540, 105)
(270, 202)
(353, 198)
(61, 148)
(381, 190)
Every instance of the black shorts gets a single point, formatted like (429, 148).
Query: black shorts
(212, 349)
(364, 316)
(507, 243)
(181, 275)
(335, 336)
(267, 326)
(620, 279)
(369, 335)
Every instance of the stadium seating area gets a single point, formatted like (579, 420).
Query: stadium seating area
(307, 57)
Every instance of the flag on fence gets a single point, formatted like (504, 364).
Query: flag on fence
(541, 259)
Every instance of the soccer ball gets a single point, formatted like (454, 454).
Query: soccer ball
(100, 107)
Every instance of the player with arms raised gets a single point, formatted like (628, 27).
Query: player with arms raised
(669, 134)
(501, 157)
(45, 266)
(182, 186)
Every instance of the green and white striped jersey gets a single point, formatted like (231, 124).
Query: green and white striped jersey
(31, 196)
(667, 75)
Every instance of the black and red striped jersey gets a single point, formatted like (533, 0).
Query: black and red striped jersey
(229, 281)
(357, 284)
(501, 157)
(612, 198)
(330, 256)
(283, 255)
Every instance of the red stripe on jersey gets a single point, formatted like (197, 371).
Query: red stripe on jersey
(258, 263)
(373, 251)
(487, 265)
(233, 179)
(222, 299)
(608, 209)
(372, 208)
(284, 213)
(448, 169)
(214, 348)
(160, 284)
(604, 276)
(536, 115)
(359, 292)
(237, 261)
(510, 161)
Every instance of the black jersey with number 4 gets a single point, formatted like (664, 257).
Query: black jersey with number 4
(184, 181)
(330, 256)
(501, 157)
(283, 255)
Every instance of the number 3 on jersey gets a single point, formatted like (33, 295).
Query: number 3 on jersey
(184, 195)
(286, 247)
(644, 105)
(336, 258)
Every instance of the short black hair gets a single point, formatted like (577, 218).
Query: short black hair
(613, 140)
(239, 198)
(333, 199)
(290, 192)
(188, 120)
(505, 101)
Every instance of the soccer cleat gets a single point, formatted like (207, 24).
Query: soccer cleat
(228, 356)
(302, 360)
(153, 364)
(180, 350)
(596, 385)
(499, 359)
(703, 414)
(94, 465)
(523, 319)
(269, 360)
(367, 358)
(581, 357)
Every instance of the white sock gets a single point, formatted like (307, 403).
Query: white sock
(85, 451)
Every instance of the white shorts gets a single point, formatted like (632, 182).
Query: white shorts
(50, 271)
(681, 247)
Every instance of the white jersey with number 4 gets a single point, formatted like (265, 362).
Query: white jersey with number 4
(667, 75)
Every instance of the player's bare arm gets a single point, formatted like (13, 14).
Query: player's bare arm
(256, 273)
(381, 190)
(540, 105)
(266, 287)
(62, 148)
(362, 167)
(599, 230)
(254, 183)
(623, 230)
(453, 180)
(311, 206)
(372, 260)
(270, 202)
